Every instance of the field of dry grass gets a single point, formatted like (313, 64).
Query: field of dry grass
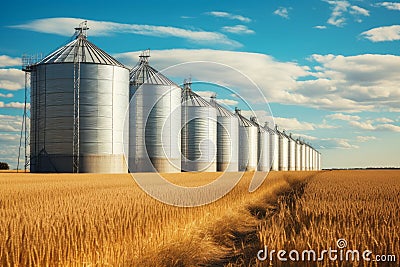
(86, 219)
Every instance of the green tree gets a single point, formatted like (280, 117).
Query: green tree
(4, 166)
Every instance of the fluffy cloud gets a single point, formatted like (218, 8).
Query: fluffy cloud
(228, 102)
(282, 12)
(227, 15)
(9, 95)
(389, 5)
(343, 117)
(64, 26)
(292, 124)
(10, 127)
(334, 143)
(6, 61)
(363, 139)
(12, 79)
(383, 120)
(321, 27)
(339, 83)
(340, 10)
(381, 34)
(18, 105)
(362, 125)
(362, 82)
(238, 29)
(370, 126)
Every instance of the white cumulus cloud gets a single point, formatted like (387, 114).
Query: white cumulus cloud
(282, 12)
(7, 61)
(343, 117)
(12, 79)
(227, 15)
(363, 139)
(384, 33)
(65, 27)
(238, 29)
(389, 5)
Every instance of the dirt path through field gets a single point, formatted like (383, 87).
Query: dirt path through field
(234, 238)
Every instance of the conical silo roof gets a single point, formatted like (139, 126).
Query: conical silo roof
(244, 121)
(221, 111)
(86, 52)
(143, 73)
(190, 98)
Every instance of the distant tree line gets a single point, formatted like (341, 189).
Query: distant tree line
(4, 166)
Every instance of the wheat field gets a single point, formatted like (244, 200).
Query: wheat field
(107, 220)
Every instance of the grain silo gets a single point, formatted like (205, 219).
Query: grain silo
(248, 143)
(283, 151)
(79, 99)
(292, 154)
(274, 149)
(307, 157)
(303, 156)
(319, 161)
(154, 119)
(263, 153)
(311, 159)
(199, 132)
(298, 156)
(227, 139)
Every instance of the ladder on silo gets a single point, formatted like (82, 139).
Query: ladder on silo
(80, 33)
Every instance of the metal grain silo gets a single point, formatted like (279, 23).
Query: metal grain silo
(283, 151)
(292, 154)
(308, 158)
(303, 156)
(227, 139)
(248, 144)
(274, 149)
(298, 156)
(263, 149)
(155, 120)
(199, 133)
(79, 99)
(319, 161)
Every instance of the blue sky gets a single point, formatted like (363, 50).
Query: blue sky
(329, 69)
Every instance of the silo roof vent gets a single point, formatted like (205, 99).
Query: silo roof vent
(80, 47)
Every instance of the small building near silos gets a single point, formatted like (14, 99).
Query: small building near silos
(154, 120)
(248, 143)
(198, 132)
(227, 139)
(79, 97)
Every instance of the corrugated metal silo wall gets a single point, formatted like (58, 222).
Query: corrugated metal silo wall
(227, 143)
(298, 156)
(155, 122)
(283, 153)
(292, 155)
(274, 151)
(303, 157)
(319, 162)
(248, 138)
(199, 138)
(103, 103)
(264, 159)
(307, 156)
